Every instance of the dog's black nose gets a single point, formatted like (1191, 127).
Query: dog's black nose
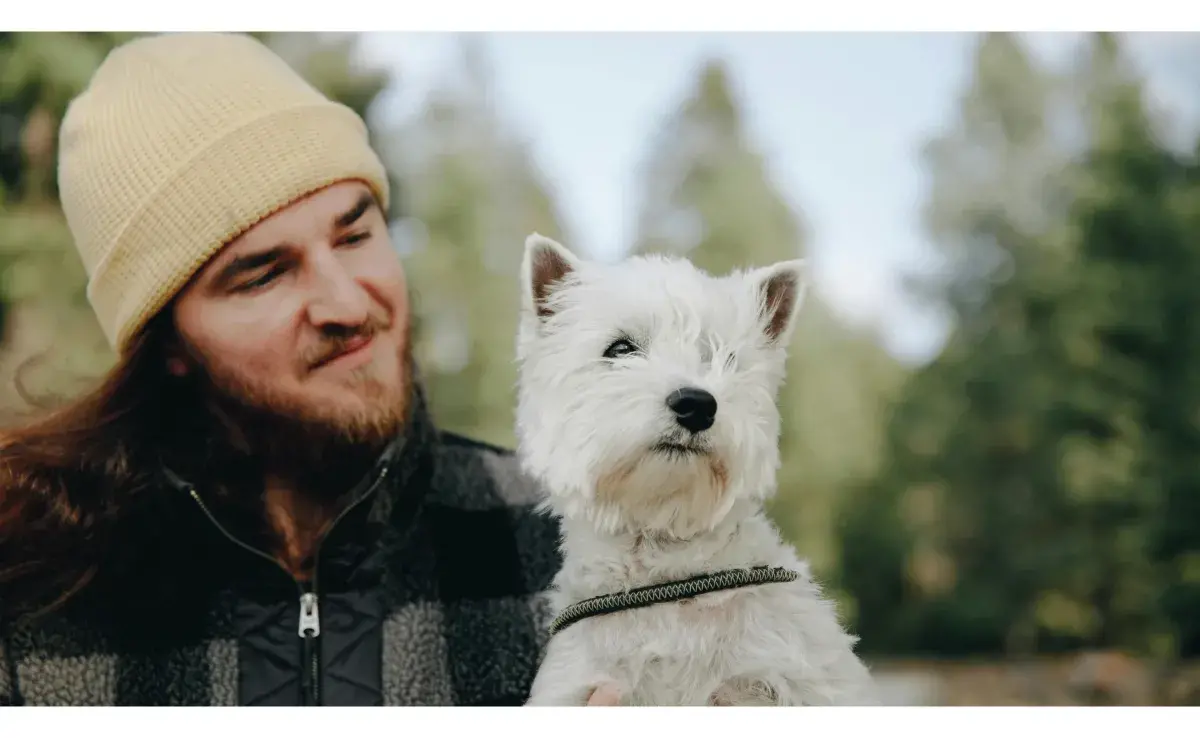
(694, 408)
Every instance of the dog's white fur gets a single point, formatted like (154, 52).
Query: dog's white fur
(632, 516)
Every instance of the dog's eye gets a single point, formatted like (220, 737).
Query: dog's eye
(619, 347)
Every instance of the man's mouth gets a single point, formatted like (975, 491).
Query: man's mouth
(349, 349)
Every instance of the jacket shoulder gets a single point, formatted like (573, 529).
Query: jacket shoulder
(475, 475)
(499, 551)
(483, 498)
(455, 440)
(497, 554)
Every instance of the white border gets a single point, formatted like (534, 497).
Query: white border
(574, 723)
(611, 15)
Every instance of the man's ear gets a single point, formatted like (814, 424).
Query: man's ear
(781, 289)
(545, 265)
(175, 357)
(176, 366)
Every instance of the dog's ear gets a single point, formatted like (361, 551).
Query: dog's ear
(545, 265)
(781, 289)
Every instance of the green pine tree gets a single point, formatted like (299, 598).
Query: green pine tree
(946, 550)
(474, 194)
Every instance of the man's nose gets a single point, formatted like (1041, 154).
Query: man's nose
(337, 297)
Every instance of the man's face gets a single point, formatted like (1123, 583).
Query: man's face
(304, 319)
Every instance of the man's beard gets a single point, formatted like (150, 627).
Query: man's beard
(252, 430)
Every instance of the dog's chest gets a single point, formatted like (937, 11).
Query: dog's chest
(680, 652)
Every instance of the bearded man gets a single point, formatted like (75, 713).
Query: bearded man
(253, 507)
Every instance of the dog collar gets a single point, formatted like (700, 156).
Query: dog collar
(682, 589)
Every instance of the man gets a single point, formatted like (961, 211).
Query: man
(253, 508)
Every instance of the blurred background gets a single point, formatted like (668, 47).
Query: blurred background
(992, 420)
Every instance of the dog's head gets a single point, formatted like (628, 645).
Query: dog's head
(647, 391)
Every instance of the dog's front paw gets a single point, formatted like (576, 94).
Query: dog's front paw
(744, 692)
(607, 694)
(593, 693)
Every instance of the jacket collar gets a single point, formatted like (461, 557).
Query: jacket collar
(388, 497)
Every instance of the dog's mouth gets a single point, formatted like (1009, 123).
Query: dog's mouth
(675, 448)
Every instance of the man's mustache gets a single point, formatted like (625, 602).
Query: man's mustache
(336, 342)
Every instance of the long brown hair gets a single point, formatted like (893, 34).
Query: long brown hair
(69, 475)
(79, 480)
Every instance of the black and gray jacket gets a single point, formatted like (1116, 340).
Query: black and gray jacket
(429, 591)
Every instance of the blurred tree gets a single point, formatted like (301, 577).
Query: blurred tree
(708, 195)
(1174, 539)
(1130, 431)
(474, 194)
(41, 278)
(968, 522)
(42, 282)
(1032, 466)
(1002, 162)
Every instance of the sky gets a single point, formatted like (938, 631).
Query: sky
(839, 117)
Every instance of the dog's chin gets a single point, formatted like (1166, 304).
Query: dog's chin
(676, 488)
(679, 451)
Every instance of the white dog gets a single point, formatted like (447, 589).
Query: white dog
(647, 409)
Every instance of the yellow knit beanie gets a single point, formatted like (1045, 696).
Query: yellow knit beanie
(179, 144)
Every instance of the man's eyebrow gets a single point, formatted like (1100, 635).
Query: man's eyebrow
(241, 264)
(346, 219)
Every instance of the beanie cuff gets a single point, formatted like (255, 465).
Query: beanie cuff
(245, 176)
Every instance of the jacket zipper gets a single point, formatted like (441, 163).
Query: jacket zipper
(310, 630)
(310, 620)
(309, 627)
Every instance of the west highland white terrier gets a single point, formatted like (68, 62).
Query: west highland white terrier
(647, 409)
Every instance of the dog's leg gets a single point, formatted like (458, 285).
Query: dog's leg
(566, 676)
(793, 692)
(559, 695)
(850, 682)
(846, 683)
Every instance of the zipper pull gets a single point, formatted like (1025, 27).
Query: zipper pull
(310, 617)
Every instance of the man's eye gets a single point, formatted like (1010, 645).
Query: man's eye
(619, 347)
(356, 238)
(258, 282)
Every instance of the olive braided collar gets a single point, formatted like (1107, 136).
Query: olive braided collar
(682, 589)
